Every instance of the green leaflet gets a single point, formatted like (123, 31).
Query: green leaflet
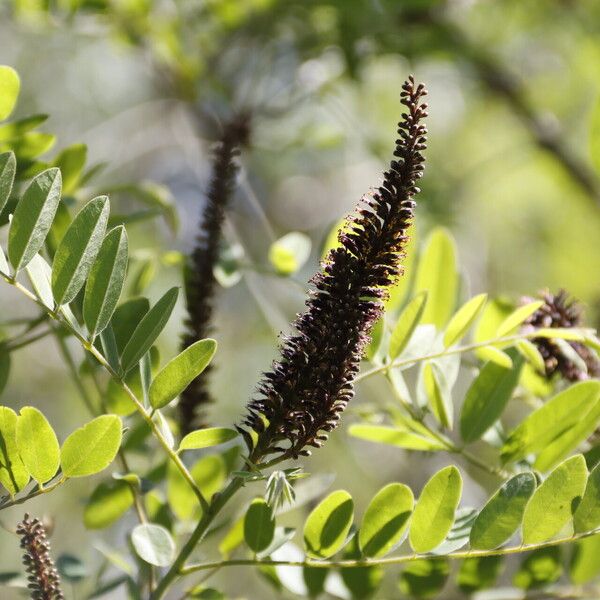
(406, 324)
(107, 504)
(145, 369)
(289, 253)
(3, 262)
(126, 318)
(463, 319)
(91, 448)
(494, 312)
(259, 525)
(209, 473)
(181, 498)
(562, 446)
(314, 579)
(205, 438)
(60, 224)
(541, 568)
(8, 167)
(281, 537)
(487, 397)
(396, 436)
(424, 578)
(78, 249)
(516, 318)
(233, 538)
(327, 526)
(572, 334)
(585, 565)
(496, 356)
(71, 568)
(154, 544)
(40, 274)
(33, 217)
(144, 274)
(459, 533)
(31, 145)
(13, 473)
(385, 520)
(361, 581)
(502, 515)
(530, 352)
(587, 515)
(163, 425)
(108, 343)
(438, 393)
(435, 510)
(117, 399)
(105, 282)
(10, 84)
(37, 444)
(180, 371)
(437, 274)
(554, 502)
(15, 129)
(148, 329)
(478, 573)
(554, 419)
(71, 162)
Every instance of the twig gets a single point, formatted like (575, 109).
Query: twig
(91, 349)
(20, 341)
(393, 560)
(406, 362)
(38, 491)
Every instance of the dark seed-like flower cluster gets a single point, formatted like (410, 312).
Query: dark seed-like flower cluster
(43, 579)
(559, 310)
(199, 278)
(301, 399)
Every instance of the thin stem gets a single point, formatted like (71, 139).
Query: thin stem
(68, 358)
(91, 349)
(138, 504)
(137, 500)
(173, 456)
(405, 362)
(450, 447)
(31, 323)
(393, 560)
(218, 502)
(140, 511)
(20, 341)
(36, 492)
(270, 272)
(87, 400)
(188, 592)
(406, 405)
(497, 471)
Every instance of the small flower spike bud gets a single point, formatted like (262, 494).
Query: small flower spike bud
(199, 280)
(302, 398)
(559, 310)
(43, 580)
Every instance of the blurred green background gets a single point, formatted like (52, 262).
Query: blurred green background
(513, 167)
